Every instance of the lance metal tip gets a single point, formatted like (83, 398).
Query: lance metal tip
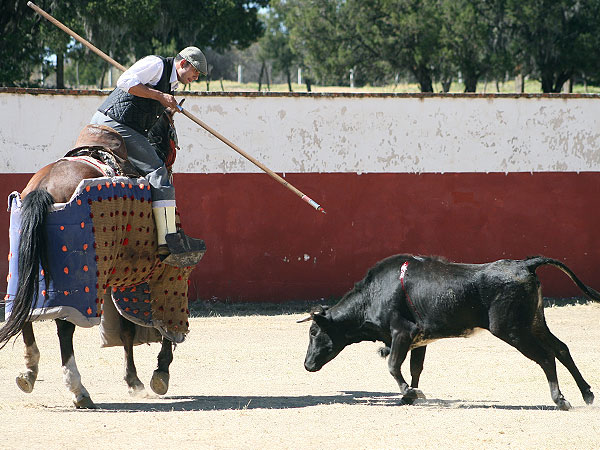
(312, 203)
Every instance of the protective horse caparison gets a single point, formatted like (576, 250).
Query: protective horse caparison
(56, 183)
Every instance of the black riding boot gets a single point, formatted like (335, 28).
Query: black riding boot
(184, 251)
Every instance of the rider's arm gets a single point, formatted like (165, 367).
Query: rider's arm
(167, 100)
(139, 78)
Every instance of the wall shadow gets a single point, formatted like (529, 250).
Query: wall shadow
(249, 402)
(202, 308)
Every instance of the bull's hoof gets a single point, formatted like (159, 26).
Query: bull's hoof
(588, 397)
(563, 405)
(160, 382)
(26, 381)
(84, 403)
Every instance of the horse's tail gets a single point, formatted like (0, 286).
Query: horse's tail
(32, 252)
(537, 261)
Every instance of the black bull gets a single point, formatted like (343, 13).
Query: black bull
(406, 302)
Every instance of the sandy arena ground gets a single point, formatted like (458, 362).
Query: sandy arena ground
(239, 382)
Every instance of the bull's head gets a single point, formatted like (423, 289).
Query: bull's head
(325, 341)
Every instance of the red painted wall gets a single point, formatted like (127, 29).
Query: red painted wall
(265, 244)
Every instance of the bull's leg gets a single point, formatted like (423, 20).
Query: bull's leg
(26, 380)
(530, 346)
(398, 350)
(561, 351)
(417, 358)
(160, 378)
(71, 377)
(127, 334)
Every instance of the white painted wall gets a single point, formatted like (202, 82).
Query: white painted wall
(331, 133)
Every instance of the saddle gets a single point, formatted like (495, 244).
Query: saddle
(105, 145)
(108, 147)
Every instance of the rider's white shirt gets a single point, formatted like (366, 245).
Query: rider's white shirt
(148, 71)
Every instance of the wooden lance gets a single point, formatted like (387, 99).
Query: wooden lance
(186, 113)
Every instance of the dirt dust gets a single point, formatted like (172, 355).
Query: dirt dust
(239, 382)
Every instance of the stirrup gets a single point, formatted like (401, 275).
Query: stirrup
(185, 251)
(163, 251)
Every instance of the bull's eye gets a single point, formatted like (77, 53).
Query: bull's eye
(313, 332)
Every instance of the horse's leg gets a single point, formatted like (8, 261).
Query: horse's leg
(26, 380)
(71, 377)
(160, 377)
(127, 334)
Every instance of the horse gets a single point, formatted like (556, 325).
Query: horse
(54, 184)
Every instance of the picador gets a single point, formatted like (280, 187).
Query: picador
(142, 94)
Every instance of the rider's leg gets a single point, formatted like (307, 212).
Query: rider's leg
(175, 247)
(164, 217)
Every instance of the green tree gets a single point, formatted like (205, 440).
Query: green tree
(319, 39)
(553, 40)
(124, 29)
(55, 41)
(275, 43)
(21, 50)
(375, 38)
(217, 24)
(405, 33)
(473, 37)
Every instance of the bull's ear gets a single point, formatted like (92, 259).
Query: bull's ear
(320, 317)
(318, 314)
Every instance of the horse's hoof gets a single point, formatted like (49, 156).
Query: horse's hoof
(25, 381)
(138, 390)
(406, 401)
(588, 397)
(160, 382)
(413, 394)
(419, 394)
(84, 403)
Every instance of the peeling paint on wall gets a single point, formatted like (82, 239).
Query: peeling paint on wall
(329, 134)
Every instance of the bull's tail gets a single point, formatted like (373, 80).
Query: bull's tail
(538, 261)
(32, 253)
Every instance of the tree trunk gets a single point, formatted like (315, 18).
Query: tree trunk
(470, 83)
(60, 70)
(268, 78)
(552, 83)
(260, 75)
(519, 83)
(446, 84)
(423, 77)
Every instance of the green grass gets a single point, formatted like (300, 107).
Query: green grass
(531, 87)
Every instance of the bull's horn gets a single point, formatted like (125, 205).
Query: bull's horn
(306, 319)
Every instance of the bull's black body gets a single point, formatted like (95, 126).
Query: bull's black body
(436, 299)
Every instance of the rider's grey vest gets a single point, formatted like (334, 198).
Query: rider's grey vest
(138, 113)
